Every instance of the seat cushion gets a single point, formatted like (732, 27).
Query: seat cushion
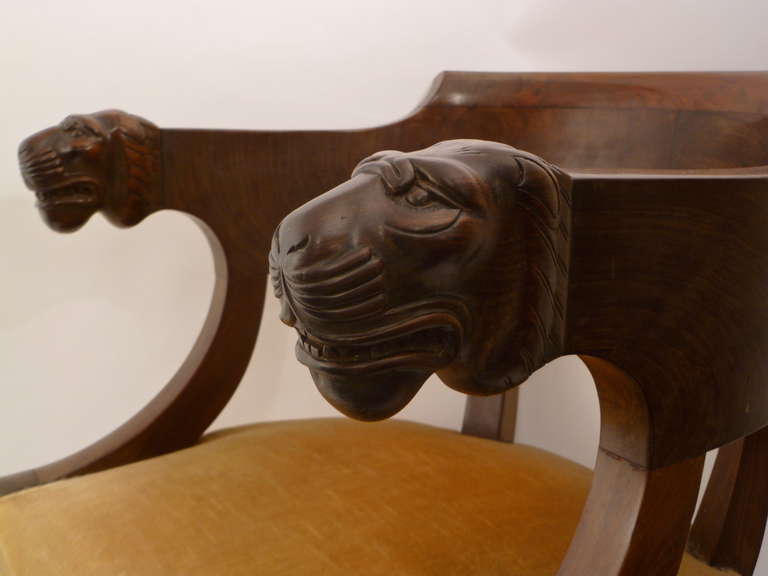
(312, 497)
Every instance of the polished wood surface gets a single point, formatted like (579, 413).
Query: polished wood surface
(501, 266)
(669, 281)
(730, 525)
(619, 268)
(667, 277)
(636, 519)
(450, 260)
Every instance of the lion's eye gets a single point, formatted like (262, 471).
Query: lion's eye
(419, 197)
(75, 129)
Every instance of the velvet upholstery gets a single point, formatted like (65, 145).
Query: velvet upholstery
(312, 497)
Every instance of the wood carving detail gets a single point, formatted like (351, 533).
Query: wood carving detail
(452, 259)
(666, 274)
(108, 161)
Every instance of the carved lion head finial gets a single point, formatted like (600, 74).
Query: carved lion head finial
(452, 259)
(108, 161)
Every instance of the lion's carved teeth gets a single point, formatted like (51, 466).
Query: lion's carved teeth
(433, 341)
(75, 193)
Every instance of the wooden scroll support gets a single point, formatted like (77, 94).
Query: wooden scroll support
(636, 519)
(116, 163)
(730, 525)
(492, 417)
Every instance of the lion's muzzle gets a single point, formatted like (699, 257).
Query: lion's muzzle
(369, 348)
(67, 192)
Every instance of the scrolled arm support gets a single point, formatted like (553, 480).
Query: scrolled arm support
(113, 162)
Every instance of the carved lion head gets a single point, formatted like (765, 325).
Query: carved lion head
(452, 259)
(105, 161)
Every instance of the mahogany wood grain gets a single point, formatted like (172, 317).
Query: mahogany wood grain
(666, 303)
(669, 282)
(730, 525)
(636, 519)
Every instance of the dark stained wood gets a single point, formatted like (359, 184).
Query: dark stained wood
(730, 525)
(208, 377)
(714, 92)
(609, 120)
(667, 303)
(636, 519)
(638, 239)
(452, 259)
(639, 255)
(669, 281)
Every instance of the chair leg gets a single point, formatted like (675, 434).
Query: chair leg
(492, 417)
(635, 521)
(729, 527)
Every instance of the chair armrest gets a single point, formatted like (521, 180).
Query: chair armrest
(236, 186)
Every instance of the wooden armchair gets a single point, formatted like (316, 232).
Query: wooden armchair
(631, 232)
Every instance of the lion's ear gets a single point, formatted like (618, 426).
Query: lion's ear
(382, 160)
(133, 127)
(130, 127)
(394, 168)
(543, 185)
(123, 126)
(376, 157)
(109, 119)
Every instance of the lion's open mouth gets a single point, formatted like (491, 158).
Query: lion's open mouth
(375, 376)
(44, 173)
(434, 345)
(76, 193)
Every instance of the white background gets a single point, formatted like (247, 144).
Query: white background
(92, 324)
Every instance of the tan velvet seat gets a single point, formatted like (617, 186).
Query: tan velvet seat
(312, 497)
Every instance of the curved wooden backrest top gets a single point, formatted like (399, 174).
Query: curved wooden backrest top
(240, 184)
(613, 121)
